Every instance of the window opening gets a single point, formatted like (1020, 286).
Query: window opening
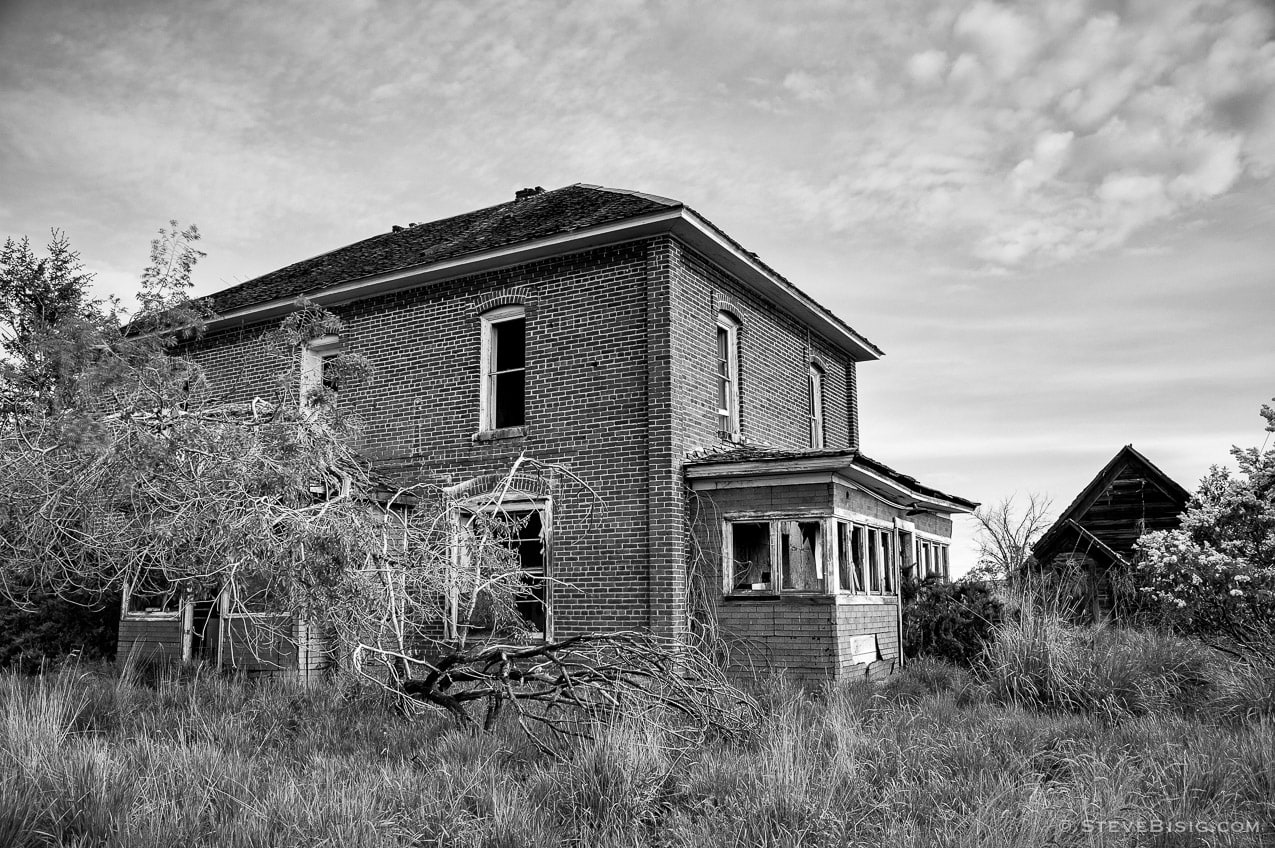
(750, 551)
(728, 375)
(815, 398)
(504, 398)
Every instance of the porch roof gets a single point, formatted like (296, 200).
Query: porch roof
(749, 462)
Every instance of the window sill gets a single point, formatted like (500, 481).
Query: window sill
(782, 597)
(502, 433)
(151, 616)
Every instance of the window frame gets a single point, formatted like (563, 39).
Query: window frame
(776, 532)
(126, 597)
(511, 506)
(315, 354)
(487, 399)
(814, 393)
(726, 373)
(874, 554)
(933, 557)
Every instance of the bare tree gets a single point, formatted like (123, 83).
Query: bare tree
(1006, 533)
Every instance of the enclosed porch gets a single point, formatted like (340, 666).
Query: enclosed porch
(803, 554)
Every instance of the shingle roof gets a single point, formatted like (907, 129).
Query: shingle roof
(538, 216)
(761, 453)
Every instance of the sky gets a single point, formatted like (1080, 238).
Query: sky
(1054, 216)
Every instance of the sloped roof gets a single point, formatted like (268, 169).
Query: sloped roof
(538, 223)
(541, 215)
(1124, 457)
(845, 456)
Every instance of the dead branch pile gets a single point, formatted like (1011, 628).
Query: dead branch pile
(560, 691)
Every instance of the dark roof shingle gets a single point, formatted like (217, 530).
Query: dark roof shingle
(538, 216)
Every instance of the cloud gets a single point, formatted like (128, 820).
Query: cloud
(1036, 133)
(1007, 134)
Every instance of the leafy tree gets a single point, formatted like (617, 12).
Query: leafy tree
(1214, 578)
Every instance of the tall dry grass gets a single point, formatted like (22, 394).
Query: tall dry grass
(1022, 755)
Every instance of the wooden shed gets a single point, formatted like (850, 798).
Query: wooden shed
(1096, 534)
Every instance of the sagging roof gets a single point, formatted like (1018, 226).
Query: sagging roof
(761, 461)
(535, 225)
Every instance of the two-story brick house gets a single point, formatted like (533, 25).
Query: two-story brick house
(710, 403)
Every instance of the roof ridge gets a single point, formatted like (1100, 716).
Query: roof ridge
(654, 198)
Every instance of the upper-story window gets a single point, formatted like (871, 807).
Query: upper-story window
(320, 380)
(504, 371)
(815, 391)
(728, 375)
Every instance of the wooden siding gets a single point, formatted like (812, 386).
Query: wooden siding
(149, 640)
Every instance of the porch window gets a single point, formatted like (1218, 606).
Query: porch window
(782, 555)
(847, 558)
(750, 557)
(865, 558)
(503, 402)
(932, 559)
(801, 558)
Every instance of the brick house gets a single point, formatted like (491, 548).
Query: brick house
(710, 402)
(1093, 539)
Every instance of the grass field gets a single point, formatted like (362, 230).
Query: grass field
(1065, 727)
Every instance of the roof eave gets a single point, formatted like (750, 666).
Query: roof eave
(679, 221)
(841, 467)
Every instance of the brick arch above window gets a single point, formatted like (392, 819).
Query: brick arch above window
(727, 307)
(517, 296)
(517, 487)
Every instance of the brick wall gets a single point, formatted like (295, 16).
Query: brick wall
(587, 409)
(775, 352)
(860, 619)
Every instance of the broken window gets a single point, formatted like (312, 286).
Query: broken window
(932, 559)
(874, 560)
(801, 559)
(728, 375)
(887, 561)
(520, 536)
(866, 558)
(750, 557)
(847, 558)
(533, 601)
(815, 392)
(504, 368)
(152, 593)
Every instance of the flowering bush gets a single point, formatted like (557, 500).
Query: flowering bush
(1215, 577)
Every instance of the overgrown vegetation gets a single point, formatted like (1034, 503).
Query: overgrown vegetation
(1214, 578)
(123, 474)
(935, 757)
(949, 621)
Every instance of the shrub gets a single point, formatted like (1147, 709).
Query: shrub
(55, 629)
(949, 621)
